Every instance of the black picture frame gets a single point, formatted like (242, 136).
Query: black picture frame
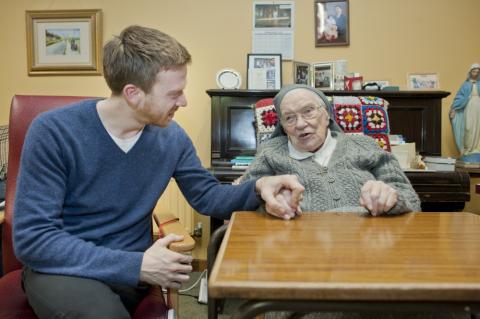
(332, 26)
(264, 71)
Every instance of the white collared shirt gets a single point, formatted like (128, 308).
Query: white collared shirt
(322, 156)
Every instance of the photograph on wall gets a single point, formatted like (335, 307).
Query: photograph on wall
(323, 75)
(301, 73)
(331, 23)
(423, 81)
(264, 71)
(64, 42)
(272, 15)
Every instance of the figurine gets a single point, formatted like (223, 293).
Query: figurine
(465, 117)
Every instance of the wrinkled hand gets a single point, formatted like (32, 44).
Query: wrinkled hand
(378, 197)
(164, 267)
(282, 195)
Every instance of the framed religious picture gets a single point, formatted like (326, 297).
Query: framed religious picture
(301, 73)
(264, 71)
(64, 42)
(323, 75)
(331, 23)
(422, 81)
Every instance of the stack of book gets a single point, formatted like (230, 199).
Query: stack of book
(241, 162)
(463, 164)
(437, 163)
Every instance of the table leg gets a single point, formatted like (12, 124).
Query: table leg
(212, 250)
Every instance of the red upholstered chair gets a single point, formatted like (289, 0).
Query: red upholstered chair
(13, 302)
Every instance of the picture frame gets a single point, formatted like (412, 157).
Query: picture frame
(302, 73)
(264, 71)
(332, 26)
(323, 75)
(423, 81)
(64, 42)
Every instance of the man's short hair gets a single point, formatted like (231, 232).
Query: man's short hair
(137, 55)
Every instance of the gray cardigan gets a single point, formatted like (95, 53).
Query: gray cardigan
(355, 160)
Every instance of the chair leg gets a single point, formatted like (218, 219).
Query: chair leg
(212, 250)
(173, 301)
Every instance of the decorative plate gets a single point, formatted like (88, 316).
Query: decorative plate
(228, 79)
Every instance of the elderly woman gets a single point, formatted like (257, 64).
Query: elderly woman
(340, 172)
(465, 116)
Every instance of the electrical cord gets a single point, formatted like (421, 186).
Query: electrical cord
(192, 286)
(195, 283)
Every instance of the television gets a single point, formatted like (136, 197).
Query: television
(240, 132)
(233, 119)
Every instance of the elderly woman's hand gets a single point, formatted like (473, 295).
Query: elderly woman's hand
(378, 197)
(292, 205)
(282, 195)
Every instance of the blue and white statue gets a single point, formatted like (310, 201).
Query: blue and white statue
(465, 117)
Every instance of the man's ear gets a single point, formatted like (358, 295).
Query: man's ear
(133, 95)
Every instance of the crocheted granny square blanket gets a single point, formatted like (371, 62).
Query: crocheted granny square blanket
(363, 115)
(265, 119)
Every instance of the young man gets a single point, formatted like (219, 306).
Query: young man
(91, 174)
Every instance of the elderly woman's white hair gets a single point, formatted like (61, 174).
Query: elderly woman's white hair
(281, 94)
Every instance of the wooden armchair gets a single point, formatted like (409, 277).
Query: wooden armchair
(13, 302)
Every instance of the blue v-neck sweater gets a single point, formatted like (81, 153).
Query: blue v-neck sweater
(83, 206)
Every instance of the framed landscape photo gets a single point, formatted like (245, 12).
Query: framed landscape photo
(64, 42)
(332, 25)
(301, 73)
(323, 74)
(264, 71)
(423, 81)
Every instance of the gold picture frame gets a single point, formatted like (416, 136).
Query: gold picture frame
(64, 42)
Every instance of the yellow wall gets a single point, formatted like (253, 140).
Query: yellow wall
(388, 39)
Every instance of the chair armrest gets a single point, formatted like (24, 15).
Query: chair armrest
(169, 224)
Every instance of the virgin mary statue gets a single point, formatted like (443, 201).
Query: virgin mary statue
(465, 117)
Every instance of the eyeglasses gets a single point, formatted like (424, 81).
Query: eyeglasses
(307, 113)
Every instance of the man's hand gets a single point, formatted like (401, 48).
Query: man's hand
(378, 197)
(282, 195)
(161, 266)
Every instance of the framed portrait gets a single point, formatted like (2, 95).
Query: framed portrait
(264, 71)
(301, 73)
(423, 81)
(332, 25)
(323, 74)
(64, 42)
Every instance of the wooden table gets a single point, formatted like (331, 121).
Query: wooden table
(344, 261)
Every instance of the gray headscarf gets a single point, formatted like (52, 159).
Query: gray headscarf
(277, 100)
